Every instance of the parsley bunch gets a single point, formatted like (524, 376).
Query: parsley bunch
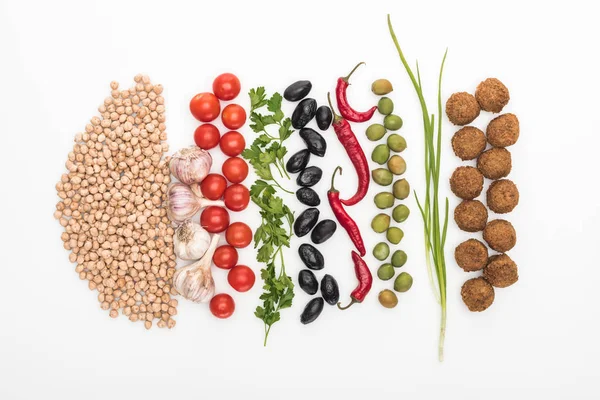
(275, 230)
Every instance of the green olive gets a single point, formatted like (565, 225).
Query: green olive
(384, 200)
(392, 122)
(380, 154)
(394, 235)
(385, 106)
(396, 165)
(381, 87)
(396, 142)
(386, 272)
(381, 251)
(401, 189)
(388, 299)
(382, 176)
(399, 258)
(400, 213)
(376, 132)
(380, 223)
(403, 282)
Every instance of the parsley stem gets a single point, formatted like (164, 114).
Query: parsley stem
(267, 330)
(283, 168)
(276, 163)
(269, 135)
(281, 187)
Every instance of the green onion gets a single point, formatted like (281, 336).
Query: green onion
(435, 232)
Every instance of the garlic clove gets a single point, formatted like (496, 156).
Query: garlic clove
(190, 164)
(195, 281)
(190, 241)
(182, 203)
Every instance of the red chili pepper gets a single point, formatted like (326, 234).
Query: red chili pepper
(348, 139)
(348, 112)
(365, 281)
(343, 218)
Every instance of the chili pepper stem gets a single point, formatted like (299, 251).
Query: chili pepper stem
(332, 188)
(346, 307)
(336, 117)
(351, 72)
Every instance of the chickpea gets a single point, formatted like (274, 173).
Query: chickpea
(110, 202)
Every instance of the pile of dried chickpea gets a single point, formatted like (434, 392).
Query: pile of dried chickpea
(111, 206)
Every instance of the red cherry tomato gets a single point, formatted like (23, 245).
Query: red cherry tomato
(232, 143)
(233, 116)
(213, 186)
(205, 107)
(225, 256)
(222, 305)
(207, 136)
(226, 86)
(235, 169)
(241, 278)
(236, 197)
(238, 235)
(214, 219)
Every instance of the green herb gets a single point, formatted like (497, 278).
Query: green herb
(275, 230)
(435, 233)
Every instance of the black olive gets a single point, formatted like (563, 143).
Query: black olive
(304, 112)
(315, 143)
(309, 177)
(308, 281)
(311, 257)
(312, 310)
(323, 231)
(306, 221)
(297, 90)
(308, 196)
(330, 290)
(297, 162)
(324, 117)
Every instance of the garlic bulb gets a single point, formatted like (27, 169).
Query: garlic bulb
(190, 241)
(183, 202)
(190, 164)
(195, 281)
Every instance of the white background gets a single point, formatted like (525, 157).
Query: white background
(538, 340)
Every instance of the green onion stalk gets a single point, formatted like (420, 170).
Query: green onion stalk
(434, 230)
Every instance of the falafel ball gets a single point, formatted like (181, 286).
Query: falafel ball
(466, 182)
(495, 163)
(500, 235)
(492, 95)
(501, 271)
(471, 216)
(468, 142)
(477, 294)
(462, 108)
(503, 131)
(502, 196)
(471, 255)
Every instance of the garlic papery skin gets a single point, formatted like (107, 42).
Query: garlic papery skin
(190, 241)
(190, 165)
(183, 203)
(195, 281)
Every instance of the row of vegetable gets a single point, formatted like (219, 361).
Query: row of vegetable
(396, 166)
(199, 189)
(502, 196)
(308, 220)
(119, 189)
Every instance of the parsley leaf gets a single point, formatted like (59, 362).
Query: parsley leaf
(275, 232)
